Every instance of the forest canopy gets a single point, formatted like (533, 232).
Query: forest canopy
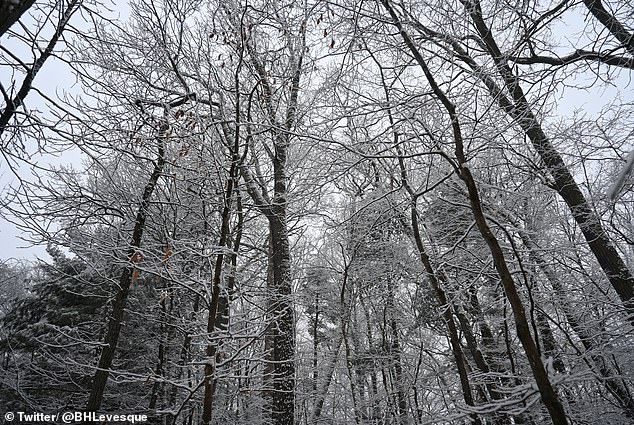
(319, 212)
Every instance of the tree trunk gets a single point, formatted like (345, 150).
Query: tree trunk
(164, 338)
(611, 383)
(480, 362)
(280, 337)
(218, 309)
(611, 23)
(5, 22)
(394, 350)
(119, 302)
(613, 266)
(447, 314)
(546, 390)
(11, 11)
(283, 326)
(327, 379)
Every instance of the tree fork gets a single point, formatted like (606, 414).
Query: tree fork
(281, 337)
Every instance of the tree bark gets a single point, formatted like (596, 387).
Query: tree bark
(395, 353)
(612, 264)
(11, 11)
(118, 304)
(215, 305)
(546, 390)
(283, 326)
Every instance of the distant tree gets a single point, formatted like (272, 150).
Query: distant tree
(15, 280)
(49, 337)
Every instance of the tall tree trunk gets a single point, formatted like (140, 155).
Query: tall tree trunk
(218, 309)
(283, 327)
(612, 24)
(346, 313)
(395, 354)
(613, 266)
(119, 302)
(436, 280)
(281, 335)
(546, 390)
(374, 406)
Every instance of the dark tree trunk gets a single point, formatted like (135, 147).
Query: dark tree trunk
(613, 266)
(481, 363)
(549, 345)
(164, 338)
(11, 11)
(395, 354)
(219, 304)
(612, 24)
(283, 326)
(280, 337)
(119, 302)
(546, 390)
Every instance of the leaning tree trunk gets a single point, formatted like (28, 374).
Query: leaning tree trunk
(326, 380)
(447, 314)
(125, 280)
(617, 272)
(436, 279)
(612, 24)
(607, 376)
(547, 392)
